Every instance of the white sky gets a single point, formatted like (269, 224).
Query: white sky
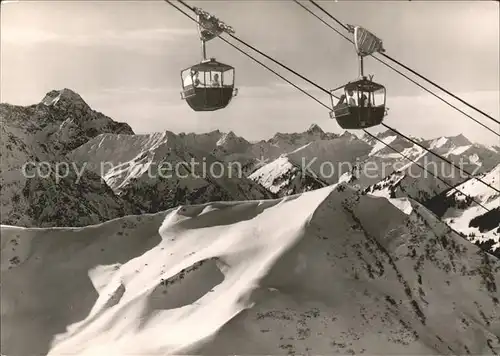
(125, 58)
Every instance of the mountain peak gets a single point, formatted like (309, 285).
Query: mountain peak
(231, 134)
(460, 139)
(314, 128)
(65, 95)
(230, 141)
(348, 135)
(384, 134)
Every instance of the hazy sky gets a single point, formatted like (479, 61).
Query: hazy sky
(124, 58)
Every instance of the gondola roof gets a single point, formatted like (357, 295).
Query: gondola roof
(364, 85)
(210, 65)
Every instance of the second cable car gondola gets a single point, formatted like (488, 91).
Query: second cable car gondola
(208, 85)
(362, 104)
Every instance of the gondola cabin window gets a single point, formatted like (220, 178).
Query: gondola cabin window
(378, 97)
(228, 78)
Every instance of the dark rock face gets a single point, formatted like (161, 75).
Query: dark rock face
(42, 134)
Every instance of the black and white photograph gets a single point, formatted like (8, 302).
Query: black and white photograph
(249, 177)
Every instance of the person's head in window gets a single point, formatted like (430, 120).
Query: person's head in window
(215, 80)
(351, 100)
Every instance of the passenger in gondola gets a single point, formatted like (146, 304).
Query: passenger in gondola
(215, 81)
(351, 100)
(192, 79)
(363, 101)
(341, 108)
(341, 101)
(196, 79)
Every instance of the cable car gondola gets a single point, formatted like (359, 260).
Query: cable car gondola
(362, 104)
(208, 85)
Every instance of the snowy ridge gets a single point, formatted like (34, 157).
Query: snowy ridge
(446, 142)
(476, 154)
(284, 177)
(459, 208)
(229, 278)
(258, 153)
(271, 175)
(379, 145)
(462, 151)
(418, 183)
(232, 143)
(313, 165)
(158, 172)
(398, 143)
(438, 143)
(411, 181)
(292, 141)
(226, 147)
(458, 150)
(119, 158)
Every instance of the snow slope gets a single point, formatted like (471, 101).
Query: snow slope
(255, 155)
(312, 166)
(419, 180)
(231, 278)
(412, 181)
(285, 177)
(455, 148)
(265, 151)
(159, 171)
(460, 209)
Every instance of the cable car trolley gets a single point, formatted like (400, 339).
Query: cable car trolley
(208, 85)
(362, 103)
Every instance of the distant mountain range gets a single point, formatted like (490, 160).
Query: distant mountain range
(115, 172)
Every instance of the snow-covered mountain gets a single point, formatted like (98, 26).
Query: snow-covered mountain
(229, 143)
(313, 165)
(284, 177)
(313, 273)
(419, 179)
(375, 166)
(398, 143)
(447, 142)
(53, 190)
(460, 150)
(457, 149)
(473, 209)
(228, 147)
(291, 141)
(61, 122)
(451, 147)
(160, 171)
(122, 160)
(255, 155)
